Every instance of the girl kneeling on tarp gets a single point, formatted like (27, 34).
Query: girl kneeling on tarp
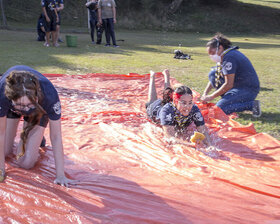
(26, 92)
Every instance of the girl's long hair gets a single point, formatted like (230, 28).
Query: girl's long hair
(167, 95)
(23, 83)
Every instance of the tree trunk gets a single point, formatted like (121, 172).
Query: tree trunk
(3, 14)
(174, 6)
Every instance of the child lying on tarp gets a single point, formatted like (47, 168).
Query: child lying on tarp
(176, 111)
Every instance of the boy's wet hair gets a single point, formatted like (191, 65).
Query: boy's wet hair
(182, 90)
(167, 95)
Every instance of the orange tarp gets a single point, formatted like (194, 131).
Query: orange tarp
(129, 174)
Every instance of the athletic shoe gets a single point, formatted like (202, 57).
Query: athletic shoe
(256, 109)
(107, 45)
(43, 142)
(116, 45)
(92, 42)
(46, 44)
(60, 41)
(56, 45)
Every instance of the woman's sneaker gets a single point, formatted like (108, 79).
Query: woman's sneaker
(46, 44)
(256, 109)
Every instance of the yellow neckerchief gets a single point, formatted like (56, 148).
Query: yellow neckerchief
(219, 74)
(180, 118)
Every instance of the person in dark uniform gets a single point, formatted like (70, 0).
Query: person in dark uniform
(59, 7)
(26, 92)
(235, 78)
(92, 8)
(176, 111)
(51, 17)
(41, 31)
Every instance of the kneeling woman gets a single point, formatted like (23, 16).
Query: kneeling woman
(176, 111)
(26, 92)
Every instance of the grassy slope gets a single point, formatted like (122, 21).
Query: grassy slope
(238, 16)
(142, 51)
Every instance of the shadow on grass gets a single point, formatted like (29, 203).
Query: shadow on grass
(267, 89)
(267, 117)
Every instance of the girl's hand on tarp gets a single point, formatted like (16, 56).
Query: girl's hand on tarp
(64, 181)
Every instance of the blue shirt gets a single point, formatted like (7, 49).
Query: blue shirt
(50, 6)
(57, 4)
(93, 10)
(41, 23)
(51, 102)
(234, 62)
(170, 115)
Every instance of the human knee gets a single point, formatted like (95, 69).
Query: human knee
(28, 161)
(225, 107)
(27, 164)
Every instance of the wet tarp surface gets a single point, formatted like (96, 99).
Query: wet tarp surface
(129, 174)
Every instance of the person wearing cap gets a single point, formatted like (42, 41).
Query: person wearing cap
(234, 80)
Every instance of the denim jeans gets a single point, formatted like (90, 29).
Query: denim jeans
(109, 30)
(236, 99)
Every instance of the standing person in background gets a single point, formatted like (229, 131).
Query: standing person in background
(237, 81)
(59, 7)
(107, 17)
(92, 8)
(51, 17)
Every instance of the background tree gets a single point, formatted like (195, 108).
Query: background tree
(3, 14)
(174, 6)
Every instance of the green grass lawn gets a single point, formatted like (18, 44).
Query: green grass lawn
(267, 3)
(146, 50)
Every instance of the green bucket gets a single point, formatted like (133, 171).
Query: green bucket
(71, 41)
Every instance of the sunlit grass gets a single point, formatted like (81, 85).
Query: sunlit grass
(142, 51)
(268, 3)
